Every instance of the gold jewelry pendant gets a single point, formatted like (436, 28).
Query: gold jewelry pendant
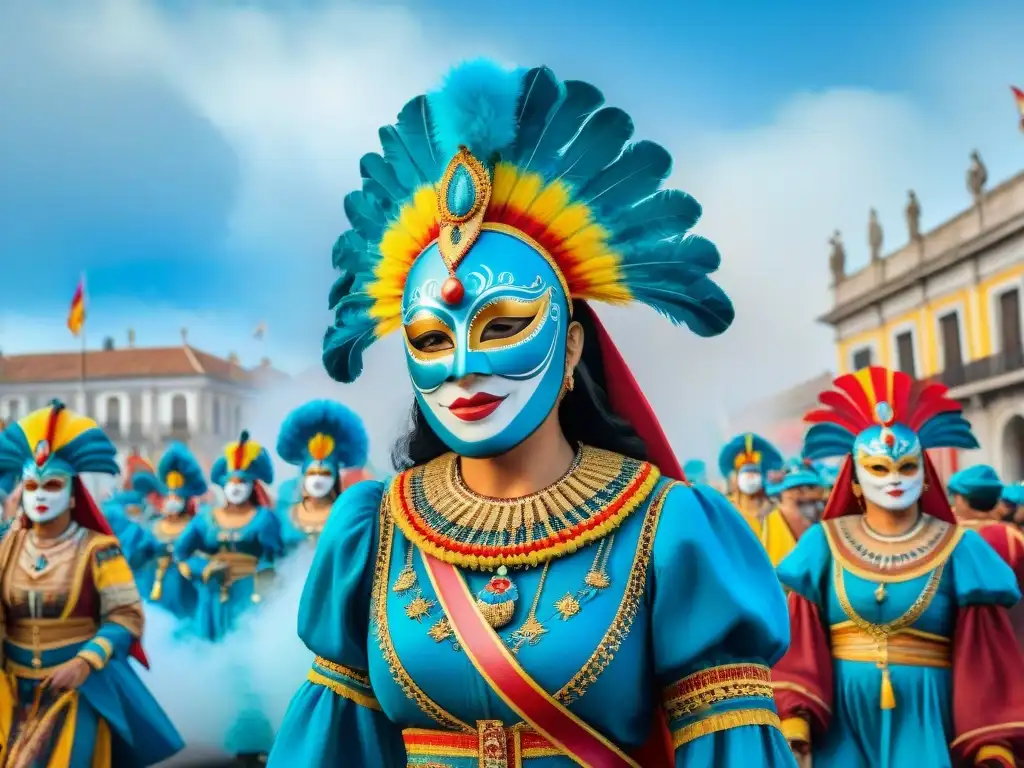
(406, 580)
(880, 594)
(497, 600)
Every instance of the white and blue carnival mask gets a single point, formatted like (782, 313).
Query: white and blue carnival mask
(888, 466)
(487, 370)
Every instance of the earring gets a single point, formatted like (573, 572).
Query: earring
(857, 490)
(570, 382)
(924, 488)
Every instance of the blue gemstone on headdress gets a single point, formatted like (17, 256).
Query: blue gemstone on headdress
(883, 412)
(455, 235)
(461, 192)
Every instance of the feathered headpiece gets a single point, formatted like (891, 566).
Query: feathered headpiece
(244, 458)
(323, 432)
(133, 465)
(979, 484)
(879, 398)
(178, 473)
(748, 450)
(794, 473)
(521, 151)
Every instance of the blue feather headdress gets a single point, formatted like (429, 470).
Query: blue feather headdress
(795, 473)
(244, 459)
(520, 150)
(179, 474)
(748, 451)
(324, 433)
(54, 440)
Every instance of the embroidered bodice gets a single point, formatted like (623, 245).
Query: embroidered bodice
(214, 531)
(41, 578)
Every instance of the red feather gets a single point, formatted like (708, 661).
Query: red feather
(850, 385)
(880, 383)
(844, 407)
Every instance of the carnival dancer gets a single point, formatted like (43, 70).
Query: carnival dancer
(537, 576)
(902, 651)
(800, 506)
(1012, 503)
(72, 615)
(745, 462)
(241, 539)
(178, 485)
(323, 439)
(130, 502)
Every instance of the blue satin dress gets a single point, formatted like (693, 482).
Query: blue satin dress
(150, 553)
(679, 590)
(111, 719)
(238, 562)
(294, 535)
(918, 729)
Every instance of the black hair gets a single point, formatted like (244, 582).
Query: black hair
(984, 499)
(584, 413)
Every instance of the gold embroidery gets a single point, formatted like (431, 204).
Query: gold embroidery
(341, 669)
(567, 606)
(723, 722)
(702, 690)
(530, 521)
(343, 690)
(418, 607)
(936, 558)
(381, 573)
(440, 631)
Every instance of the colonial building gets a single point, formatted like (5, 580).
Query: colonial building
(143, 397)
(948, 304)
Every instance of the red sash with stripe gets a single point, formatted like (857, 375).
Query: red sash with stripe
(495, 663)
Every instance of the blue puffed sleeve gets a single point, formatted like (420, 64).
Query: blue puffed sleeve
(980, 575)
(269, 535)
(334, 719)
(807, 569)
(719, 621)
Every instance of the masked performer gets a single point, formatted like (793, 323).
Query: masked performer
(241, 540)
(322, 438)
(535, 580)
(131, 502)
(745, 461)
(1013, 503)
(902, 651)
(800, 506)
(72, 614)
(178, 485)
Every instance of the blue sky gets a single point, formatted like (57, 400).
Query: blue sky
(191, 157)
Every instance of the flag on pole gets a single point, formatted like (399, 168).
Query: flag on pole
(259, 331)
(1018, 94)
(76, 314)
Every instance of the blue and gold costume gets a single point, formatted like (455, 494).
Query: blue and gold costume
(179, 483)
(239, 548)
(746, 462)
(886, 628)
(322, 438)
(778, 534)
(625, 598)
(74, 598)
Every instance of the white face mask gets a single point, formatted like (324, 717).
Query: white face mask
(811, 510)
(749, 483)
(174, 505)
(318, 486)
(47, 499)
(888, 484)
(237, 491)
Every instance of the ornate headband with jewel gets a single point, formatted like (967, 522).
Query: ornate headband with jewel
(524, 153)
(876, 403)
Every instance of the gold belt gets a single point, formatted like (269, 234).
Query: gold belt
(239, 565)
(910, 647)
(493, 746)
(40, 635)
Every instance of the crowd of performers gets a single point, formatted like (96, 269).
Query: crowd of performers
(77, 577)
(540, 584)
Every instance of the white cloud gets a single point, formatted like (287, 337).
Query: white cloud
(299, 95)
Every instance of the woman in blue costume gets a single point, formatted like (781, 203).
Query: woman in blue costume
(745, 462)
(238, 542)
(71, 612)
(538, 586)
(131, 502)
(178, 484)
(902, 651)
(322, 438)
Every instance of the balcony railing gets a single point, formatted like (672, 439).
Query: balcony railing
(989, 367)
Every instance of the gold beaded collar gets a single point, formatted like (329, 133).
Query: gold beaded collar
(437, 512)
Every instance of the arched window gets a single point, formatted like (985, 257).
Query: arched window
(1013, 450)
(113, 414)
(179, 413)
(216, 415)
(13, 412)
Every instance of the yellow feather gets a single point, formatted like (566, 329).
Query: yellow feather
(550, 203)
(320, 446)
(174, 481)
(864, 379)
(69, 426)
(504, 181)
(525, 192)
(249, 454)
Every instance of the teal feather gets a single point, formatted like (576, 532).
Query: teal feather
(373, 166)
(343, 349)
(414, 128)
(636, 174)
(380, 198)
(476, 107)
(401, 160)
(695, 253)
(537, 103)
(579, 101)
(665, 214)
(701, 305)
(350, 251)
(599, 142)
(364, 216)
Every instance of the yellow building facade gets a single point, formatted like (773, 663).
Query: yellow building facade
(950, 304)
